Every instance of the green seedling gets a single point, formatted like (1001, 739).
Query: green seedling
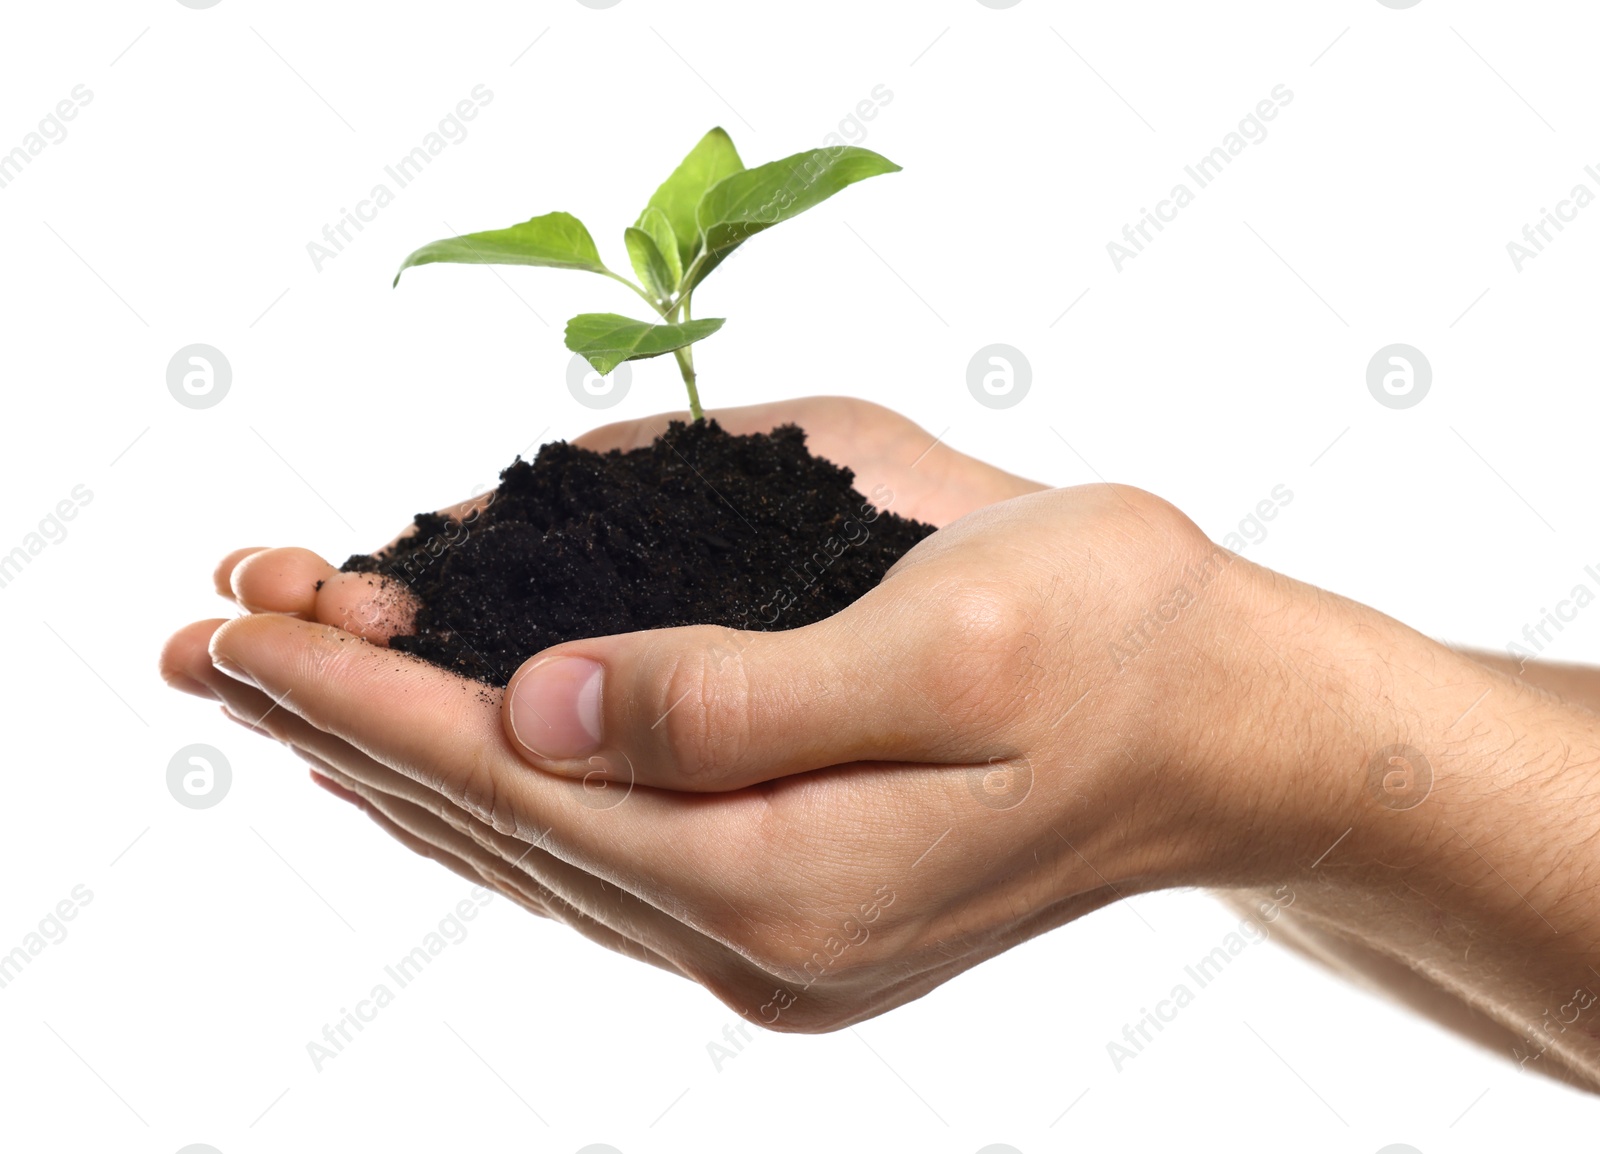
(709, 206)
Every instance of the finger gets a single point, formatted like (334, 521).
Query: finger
(706, 708)
(186, 659)
(424, 834)
(222, 576)
(373, 607)
(299, 583)
(600, 910)
(246, 703)
(278, 580)
(425, 814)
(544, 884)
(444, 732)
(321, 779)
(324, 775)
(384, 816)
(545, 906)
(443, 836)
(627, 864)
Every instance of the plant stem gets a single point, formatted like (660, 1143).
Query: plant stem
(686, 367)
(646, 297)
(685, 356)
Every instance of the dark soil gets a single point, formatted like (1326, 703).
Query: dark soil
(699, 527)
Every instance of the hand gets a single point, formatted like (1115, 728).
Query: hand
(816, 824)
(1057, 700)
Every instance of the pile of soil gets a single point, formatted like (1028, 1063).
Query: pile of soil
(699, 527)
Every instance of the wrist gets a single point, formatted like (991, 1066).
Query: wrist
(1413, 799)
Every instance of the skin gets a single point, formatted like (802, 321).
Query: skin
(1063, 698)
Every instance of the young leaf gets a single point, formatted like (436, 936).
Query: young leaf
(555, 240)
(649, 263)
(708, 162)
(747, 202)
(655, 222)
(607, 339)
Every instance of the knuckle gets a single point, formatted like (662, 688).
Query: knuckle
(704, 715)
(811, 957)
(979, 615)
(986, 628)
(475, 787)
(778, 1006)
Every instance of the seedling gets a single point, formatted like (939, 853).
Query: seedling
(709, 206)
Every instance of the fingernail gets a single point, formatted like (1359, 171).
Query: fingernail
(234, 671)
(335, 788)
(555, 708)
(183, 683)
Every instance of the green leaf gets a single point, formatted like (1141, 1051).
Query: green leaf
(607, 339)
(748, 202)
(555, 240)
(649, 264)
(679, 195)
(655, 222)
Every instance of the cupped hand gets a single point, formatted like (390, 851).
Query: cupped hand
(816, 824)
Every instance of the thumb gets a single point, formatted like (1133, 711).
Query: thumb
(707, 708)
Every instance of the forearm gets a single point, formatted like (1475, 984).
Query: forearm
(1575, 684)
(1480, 880)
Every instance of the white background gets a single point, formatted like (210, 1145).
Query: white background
(1222, 362)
